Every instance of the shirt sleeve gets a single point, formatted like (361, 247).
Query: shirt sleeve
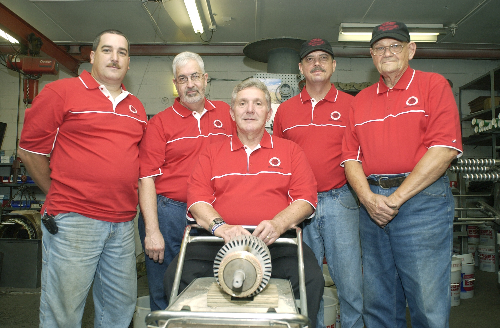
(443, 128)
(200, 186)
(302, 184)
(277, 130)
(351, 149)
(152, 150)
(42, 121)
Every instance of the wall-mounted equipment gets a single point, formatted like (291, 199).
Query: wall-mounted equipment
(32, 69)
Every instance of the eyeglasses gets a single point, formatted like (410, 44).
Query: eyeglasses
(321, 58)
(195, 77)
(393, 48)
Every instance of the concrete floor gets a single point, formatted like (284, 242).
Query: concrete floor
(19, 307)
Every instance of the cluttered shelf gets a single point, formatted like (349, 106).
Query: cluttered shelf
(482, 139)
(17, 190)
(484, 114)
(484, 82)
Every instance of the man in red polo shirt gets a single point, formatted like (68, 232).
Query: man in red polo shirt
(252, 179)
(91, 127)
(316, 120)
(403, 133)
(169, 150)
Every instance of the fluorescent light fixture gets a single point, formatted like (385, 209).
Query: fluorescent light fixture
(363, 32)
(194, 15)
(8, 37)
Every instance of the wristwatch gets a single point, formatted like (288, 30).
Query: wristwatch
(217, 222)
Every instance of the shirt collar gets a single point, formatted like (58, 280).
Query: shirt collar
(331, 96)
(403, 83)
(185, 112)
(265, 142)
(90, 83)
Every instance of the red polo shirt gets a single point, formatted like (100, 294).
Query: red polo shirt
(245, 189)
(391, 129)
(319, 130)
(93, 145)
(173, 141)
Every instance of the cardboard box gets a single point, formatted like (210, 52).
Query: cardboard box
(487, 102)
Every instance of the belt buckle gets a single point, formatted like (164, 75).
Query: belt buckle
(380, 182)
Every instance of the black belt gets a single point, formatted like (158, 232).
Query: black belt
(386, 182)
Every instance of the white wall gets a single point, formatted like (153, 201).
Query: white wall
(150, 79)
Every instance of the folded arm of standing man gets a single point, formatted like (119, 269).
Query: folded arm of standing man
(383, 209)
(38, 167)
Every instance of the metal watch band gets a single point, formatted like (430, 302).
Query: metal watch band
(215, 222)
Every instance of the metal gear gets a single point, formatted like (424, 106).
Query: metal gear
(243, 267)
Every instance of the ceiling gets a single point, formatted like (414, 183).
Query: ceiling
(163, 27)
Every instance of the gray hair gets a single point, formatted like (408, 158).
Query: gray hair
(251, 83)
(97, 39)
(182, 59)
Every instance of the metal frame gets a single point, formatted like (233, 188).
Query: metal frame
(166, 317)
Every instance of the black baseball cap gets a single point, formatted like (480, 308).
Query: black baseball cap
(313, 45)
(392, 30)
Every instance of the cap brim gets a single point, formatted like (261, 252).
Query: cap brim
(395, 36)
(308, 52)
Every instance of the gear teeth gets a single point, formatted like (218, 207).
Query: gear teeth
(253, 245)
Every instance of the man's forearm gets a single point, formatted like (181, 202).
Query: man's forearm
(293, 215)
(147, 202)
(429, 168)
(357, 179)
(38, 166)
(203, 213)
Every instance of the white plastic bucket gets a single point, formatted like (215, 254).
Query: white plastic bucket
(142, 309)
(467, 285)
(473, 234)
(486, 258)
(331, 311)
(472, 249)
(456, 263)
(326, 275)
(466, 258)
(486, 236)
(456, 279)
(331, 292)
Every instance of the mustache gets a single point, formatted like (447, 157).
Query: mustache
(318, 68)
(114, 64)
(192, 89)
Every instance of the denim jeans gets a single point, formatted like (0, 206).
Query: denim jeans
(86, 250)
(333, 233)
(409, 259)
(172, 222)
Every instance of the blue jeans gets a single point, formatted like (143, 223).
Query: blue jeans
(409, 259)
(333, 233)
(172, 221)
(86, 250)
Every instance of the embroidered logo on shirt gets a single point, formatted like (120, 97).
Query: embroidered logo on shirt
(412, 101)
(275, 161)
(335, 115)
(218, 124)
(132, 109)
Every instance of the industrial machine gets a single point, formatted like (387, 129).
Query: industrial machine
(31, 66)
(241, 293)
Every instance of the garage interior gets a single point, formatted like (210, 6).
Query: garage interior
(237, 42)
